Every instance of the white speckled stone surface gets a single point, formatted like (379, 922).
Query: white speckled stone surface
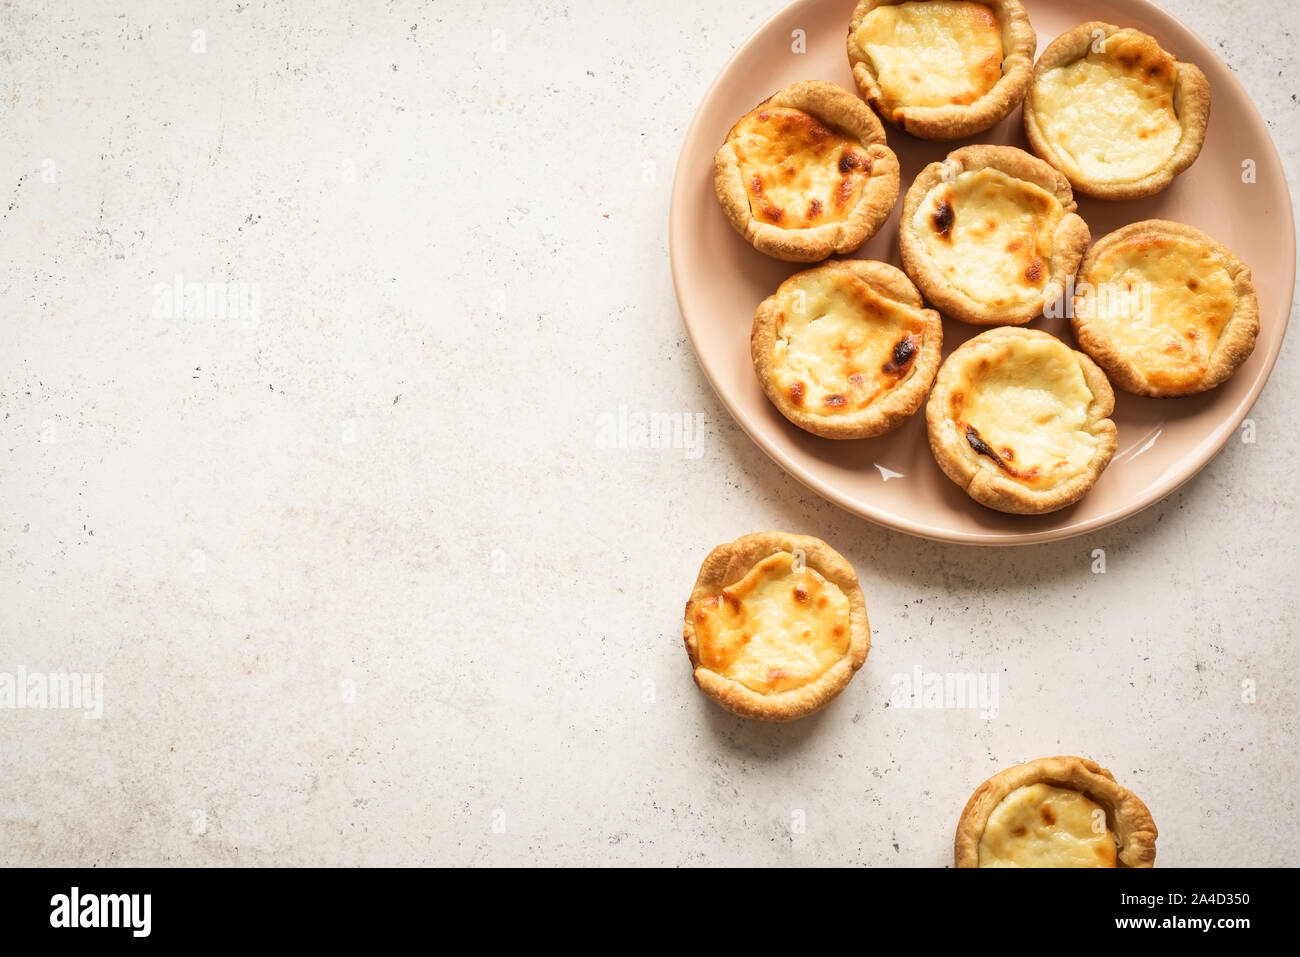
(364, 585)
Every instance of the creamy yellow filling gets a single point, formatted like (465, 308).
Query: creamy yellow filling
(1045, 826)
(1163, 302)
(1021, 410)
(1111, 114)
(840, 344)
(798, 173)
(780, 627)
(939, 53)
(991, 235)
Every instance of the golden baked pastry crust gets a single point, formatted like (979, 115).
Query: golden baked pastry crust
(1002, 477)
(1126, 816)
(903, 380)
(1190, 100)
(1038, 268)
(725, 567)
(953, 120)
(1127, 367)
(838, 113)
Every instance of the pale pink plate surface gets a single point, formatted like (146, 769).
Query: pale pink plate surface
(893, 479)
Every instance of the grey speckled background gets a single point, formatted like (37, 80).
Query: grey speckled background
(364, 587)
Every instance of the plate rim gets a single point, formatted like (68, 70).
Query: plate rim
(1203, 452)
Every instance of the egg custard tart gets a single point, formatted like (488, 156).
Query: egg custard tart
(846, 350)
(1019, 420)
(990, 235)
(1114, 112)
(1055, 812)
(941, 69)
(806, 174)
(1165, 309)
(776, 625)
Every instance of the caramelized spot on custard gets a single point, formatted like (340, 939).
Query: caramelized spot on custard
(814, 209)
(796, 393)
(850, 160)
(1034, 271)
(1003, 461)
(844, 192)
(801, 594)
(817, 132)
(943, 217)
(980, 446)
(835, 401)
(1047, 814)
(902, 356)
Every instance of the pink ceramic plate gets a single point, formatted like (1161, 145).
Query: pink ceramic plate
(893, 479)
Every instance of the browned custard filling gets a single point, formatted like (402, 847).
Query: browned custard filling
(778, 628)
(991, 235)
(841, 345)
(939, 53)
(798, 173)
(1170, 332)
(1041, 825)
(1022, 407)
(1110, 115)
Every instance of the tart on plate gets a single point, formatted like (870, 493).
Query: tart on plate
(1164, 309)
(1055, 812)
(1114, 112)
(807, 174)
(846, 350)
(990, 235)
(776, 625)
(941, 69)
(1019, 420)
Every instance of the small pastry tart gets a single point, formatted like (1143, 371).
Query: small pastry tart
(1055, 812)
(990, 235)
(846, 350)
(1165, 309)
(1019, 420)
(1114, 112)
(942, 69)
(776, 625)
(806, 173)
